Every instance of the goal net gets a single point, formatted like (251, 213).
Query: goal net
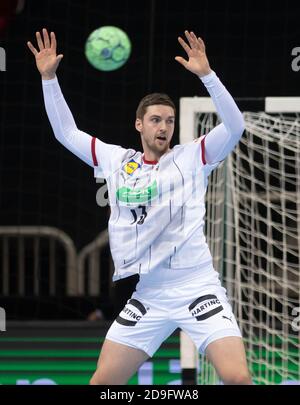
(253, 230)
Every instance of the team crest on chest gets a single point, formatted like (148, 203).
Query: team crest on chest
(131, 166)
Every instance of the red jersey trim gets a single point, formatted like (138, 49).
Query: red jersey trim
(203, 150)
(93, 148)
(149, 162)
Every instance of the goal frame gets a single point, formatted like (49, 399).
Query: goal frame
(189, 107)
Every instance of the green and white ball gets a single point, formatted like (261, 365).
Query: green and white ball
(107, 48)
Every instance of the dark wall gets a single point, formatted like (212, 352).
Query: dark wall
(249, 45)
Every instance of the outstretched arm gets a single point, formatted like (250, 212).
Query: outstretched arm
(222, 139)
(59, 114)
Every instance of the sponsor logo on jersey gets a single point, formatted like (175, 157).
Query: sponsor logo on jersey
(131, 166)
(133, 311)
(138, 195)
(204, 307)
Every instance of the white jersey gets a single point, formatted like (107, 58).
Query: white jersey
(157, 208)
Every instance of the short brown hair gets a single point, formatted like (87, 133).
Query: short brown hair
(153, 99)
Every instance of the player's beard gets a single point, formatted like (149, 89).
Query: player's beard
(158, 147)
(155, 146)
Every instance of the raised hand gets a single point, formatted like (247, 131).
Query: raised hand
(195, 49)
(46, 59)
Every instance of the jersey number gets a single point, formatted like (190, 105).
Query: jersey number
(142, 217)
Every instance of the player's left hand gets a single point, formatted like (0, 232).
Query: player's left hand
(195, 49)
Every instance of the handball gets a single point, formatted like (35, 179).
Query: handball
(107, 48)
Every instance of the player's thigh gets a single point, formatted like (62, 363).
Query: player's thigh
(117, 363)
(228, 357)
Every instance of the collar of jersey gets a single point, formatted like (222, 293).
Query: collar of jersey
(149, 162)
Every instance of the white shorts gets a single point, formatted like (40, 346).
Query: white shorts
(190, 299)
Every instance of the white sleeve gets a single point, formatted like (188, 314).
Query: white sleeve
(63, 124)
(91, 150)
(221, 140)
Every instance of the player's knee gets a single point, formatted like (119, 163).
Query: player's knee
(98, 379)
(95, 380)
(107, 378)
(239, 378)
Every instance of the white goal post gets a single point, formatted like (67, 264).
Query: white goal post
(253, 231)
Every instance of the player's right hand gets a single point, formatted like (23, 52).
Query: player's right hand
(46, 59)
